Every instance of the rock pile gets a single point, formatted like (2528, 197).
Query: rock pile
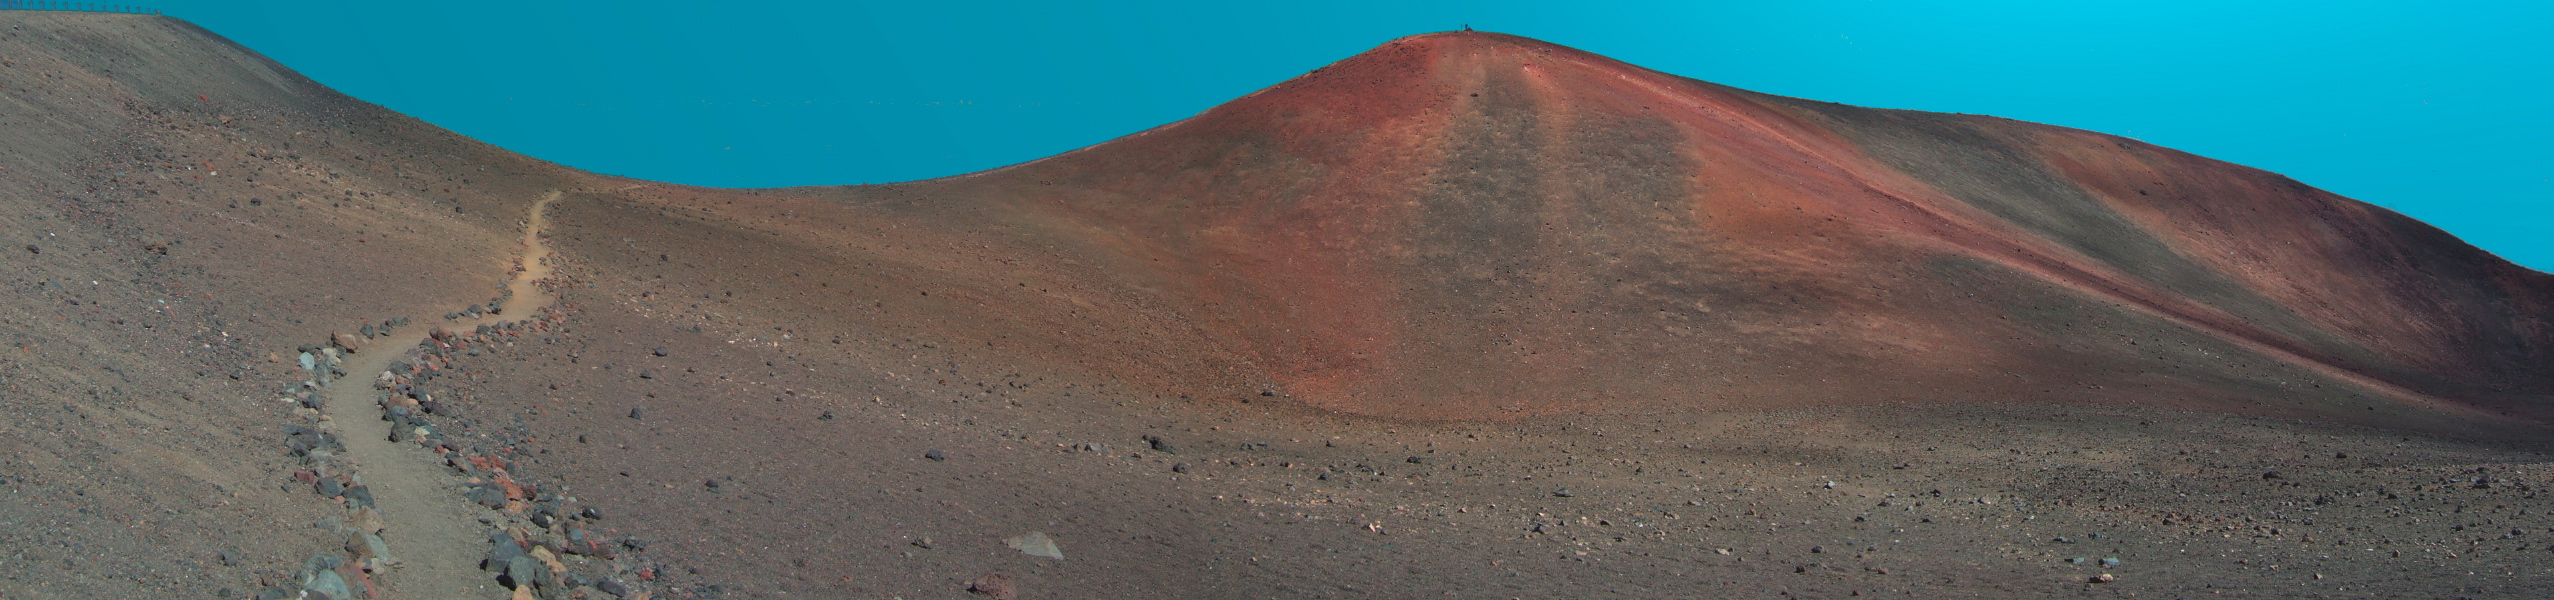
(325, 470)
(542, 541)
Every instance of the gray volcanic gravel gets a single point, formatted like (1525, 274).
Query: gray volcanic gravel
(935, 459)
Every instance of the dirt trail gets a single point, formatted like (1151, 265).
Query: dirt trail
(431, 529)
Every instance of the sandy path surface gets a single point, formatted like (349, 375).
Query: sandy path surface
(431, 529)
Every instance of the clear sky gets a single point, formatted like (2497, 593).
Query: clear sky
(2440, 110)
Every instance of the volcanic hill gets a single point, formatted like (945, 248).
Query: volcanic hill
(1474, 225)
(1468, 314)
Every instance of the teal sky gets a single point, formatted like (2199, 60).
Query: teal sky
(2440, 110)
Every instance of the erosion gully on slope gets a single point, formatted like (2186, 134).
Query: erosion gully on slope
(432, 529)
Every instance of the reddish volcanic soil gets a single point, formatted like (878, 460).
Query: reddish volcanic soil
(1468, 315)
(1482, 227)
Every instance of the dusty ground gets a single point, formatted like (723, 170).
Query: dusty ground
(1467, 316)
(764, 466)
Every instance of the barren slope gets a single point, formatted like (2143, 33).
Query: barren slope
(182, 214)
(1468, 313)
(1480, 226)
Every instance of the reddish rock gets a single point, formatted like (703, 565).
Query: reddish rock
(997, 585)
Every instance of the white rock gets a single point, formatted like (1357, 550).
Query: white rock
(1036, 544)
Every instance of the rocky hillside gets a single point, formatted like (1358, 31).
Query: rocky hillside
(181, 214)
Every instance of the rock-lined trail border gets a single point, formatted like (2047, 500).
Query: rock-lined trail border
(427, 524)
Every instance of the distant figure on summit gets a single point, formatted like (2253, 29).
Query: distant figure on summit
(1467, 26)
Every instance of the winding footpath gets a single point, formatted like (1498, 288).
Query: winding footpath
(430, 528)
